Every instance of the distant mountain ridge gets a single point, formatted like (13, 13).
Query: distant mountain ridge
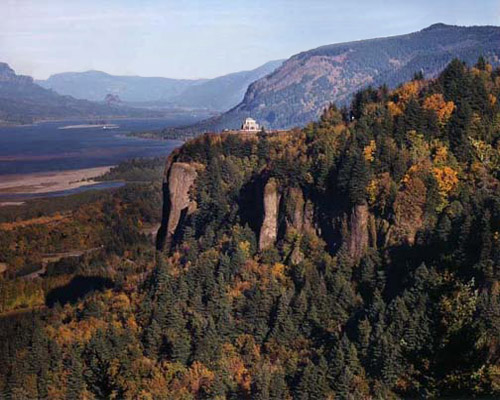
(306, 83)
(224, 92)
(23, 101)
(95, 85)
(217, 94)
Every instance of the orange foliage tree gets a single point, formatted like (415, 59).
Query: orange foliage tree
(442, 108)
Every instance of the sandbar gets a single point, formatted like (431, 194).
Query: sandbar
(82, 126)
(47, 182)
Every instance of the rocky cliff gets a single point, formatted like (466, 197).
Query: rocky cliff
(357, 233)
(180, 180)
(178, 201)
(7, 74)
(269, 229)
(279, 213)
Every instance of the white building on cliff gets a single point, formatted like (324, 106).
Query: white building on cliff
(250, 125)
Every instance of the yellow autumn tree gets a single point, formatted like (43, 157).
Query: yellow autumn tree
(440, 155)
(372, 190)
(447, 179)
(369, 151)
(403, 95)
(486, 154)
(442, 108)
(408, 91)
(394, 109)
(419, 147)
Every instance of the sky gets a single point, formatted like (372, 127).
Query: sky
(204, 38)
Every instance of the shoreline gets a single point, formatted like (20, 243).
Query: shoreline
(49, 182)
(5, 124)
(92, 126)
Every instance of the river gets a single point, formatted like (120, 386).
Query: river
(44, 147)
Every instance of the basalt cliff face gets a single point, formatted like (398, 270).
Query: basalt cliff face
(280, 213)
(178, 204)
(271, 200)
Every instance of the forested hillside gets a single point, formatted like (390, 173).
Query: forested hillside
(306, 83)
(356, 258)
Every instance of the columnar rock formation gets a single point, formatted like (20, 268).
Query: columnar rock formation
(286, 213)
(298, 220)
(282, 214)
(357, 239)
(269, 229)
(179, 180)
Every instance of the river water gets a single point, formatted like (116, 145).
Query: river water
(43, 147)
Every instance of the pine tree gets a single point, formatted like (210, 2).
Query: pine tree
(277, 386)
(75, 384)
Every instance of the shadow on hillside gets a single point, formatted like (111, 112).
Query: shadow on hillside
(251, 204)
(76, 289)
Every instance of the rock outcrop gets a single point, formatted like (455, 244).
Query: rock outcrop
(358, 237)
(294, 220)
(299, 212)
(180, 178)
(7, 74)
(295, 209)
(269, 229)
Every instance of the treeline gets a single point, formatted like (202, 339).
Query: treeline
(137, 170)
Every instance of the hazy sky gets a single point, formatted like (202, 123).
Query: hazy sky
(204, 38)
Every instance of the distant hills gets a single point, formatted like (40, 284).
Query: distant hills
(305, 84)
(96, 85)
(224, 92)
(218, 94)
(23, 101)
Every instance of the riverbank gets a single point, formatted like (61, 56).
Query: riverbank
(49, 182)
